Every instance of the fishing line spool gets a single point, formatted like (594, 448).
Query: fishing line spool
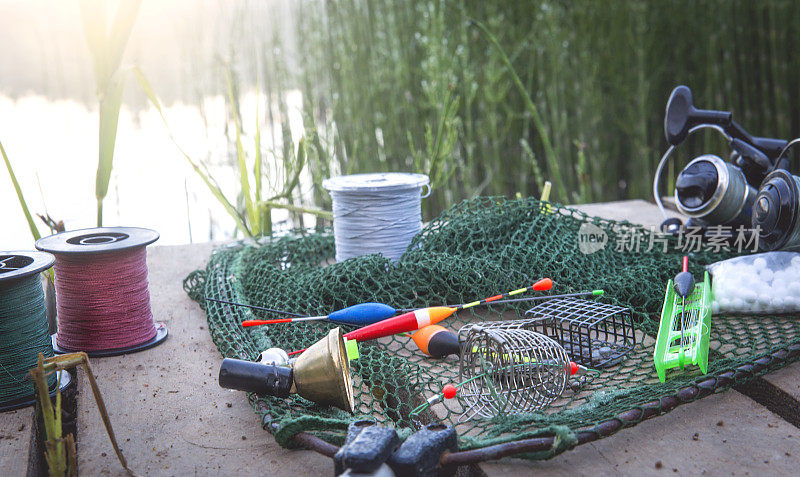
(24, 331)
(594, 334)
(376, 213)
(508, 370)
(102, 294)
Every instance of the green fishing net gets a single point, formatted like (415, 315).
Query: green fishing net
(476, 249)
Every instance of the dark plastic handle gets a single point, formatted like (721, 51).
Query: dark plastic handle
(255, 377)
(682, 115)
(752, 154)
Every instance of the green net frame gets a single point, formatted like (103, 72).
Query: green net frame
(475, 249)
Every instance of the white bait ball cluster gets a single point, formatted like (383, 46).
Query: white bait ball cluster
(756, 286)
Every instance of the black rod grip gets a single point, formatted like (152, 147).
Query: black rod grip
(255, 377)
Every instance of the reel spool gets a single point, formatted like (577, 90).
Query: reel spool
(100, 318)
(714, 192)
(20, 270)
(776, 210)
(510, 370)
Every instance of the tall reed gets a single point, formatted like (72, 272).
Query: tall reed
(107, 45)
(594, 77)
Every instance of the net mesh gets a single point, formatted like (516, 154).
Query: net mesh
(475, 249)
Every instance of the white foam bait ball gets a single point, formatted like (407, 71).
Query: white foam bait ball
(794, 288)
(714, 307)
(275, 356)
(742, 272)
(779, 290)
(750, 294)
(762, 284)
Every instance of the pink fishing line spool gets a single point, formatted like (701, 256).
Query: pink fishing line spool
(102, 297)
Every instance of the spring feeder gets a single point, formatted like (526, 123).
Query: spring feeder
(102, 295)
(594, 334)
(376, 213)
(510, 370)
(24, 332)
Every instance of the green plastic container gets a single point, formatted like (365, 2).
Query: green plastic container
(681, 343)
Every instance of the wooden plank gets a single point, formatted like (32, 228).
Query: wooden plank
(169, 413)
(15, 434)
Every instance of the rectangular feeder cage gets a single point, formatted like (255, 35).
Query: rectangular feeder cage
(594, 334)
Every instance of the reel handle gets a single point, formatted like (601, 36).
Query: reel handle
(682, 115)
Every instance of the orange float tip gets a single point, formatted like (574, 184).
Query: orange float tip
(543, 285)
(573, 368)
(449, 391)
(439, 313)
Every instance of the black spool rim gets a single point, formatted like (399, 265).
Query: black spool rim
(27, 263)
(64, 382)
(97, 240)
(161, 335)
(785, 217)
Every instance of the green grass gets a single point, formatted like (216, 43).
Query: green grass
(22, 203)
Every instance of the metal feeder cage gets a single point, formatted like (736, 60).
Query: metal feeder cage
(595, 335)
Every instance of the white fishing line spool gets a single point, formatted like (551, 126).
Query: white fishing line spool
(376, 213)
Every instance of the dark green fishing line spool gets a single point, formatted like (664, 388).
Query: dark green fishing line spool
(24, 331)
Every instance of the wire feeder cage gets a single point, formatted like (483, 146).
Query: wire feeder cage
(594, 334)
(509, 370)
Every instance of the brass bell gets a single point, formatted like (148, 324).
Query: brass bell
(321, 374)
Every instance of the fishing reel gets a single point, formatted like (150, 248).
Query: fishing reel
(709, 190)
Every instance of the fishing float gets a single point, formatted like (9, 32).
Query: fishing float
(423, 317)
(356, 315)
(365, 314)
(438, 342)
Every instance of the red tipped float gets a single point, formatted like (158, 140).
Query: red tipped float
(410, 321)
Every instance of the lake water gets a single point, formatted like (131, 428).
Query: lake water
(52, 145)
(49, 120)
